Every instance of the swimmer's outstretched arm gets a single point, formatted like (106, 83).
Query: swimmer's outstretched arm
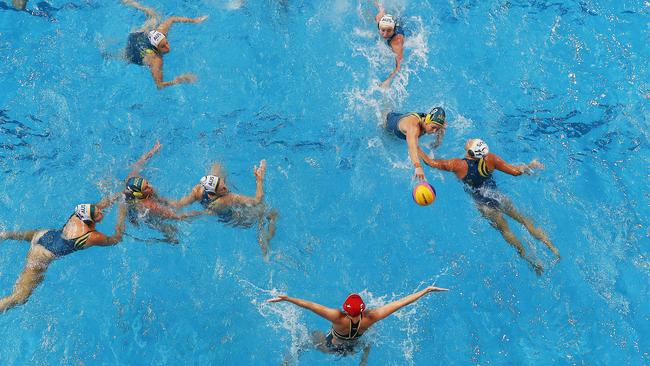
(164, 26)
(99, 239)
(515, 170)
(380, 11)
(398, 49)
(168, 213)
(193, 196)
(450, 165)
(328, 313)
(150, 12)
(382, 312)
(412, 140)
(138, 165)
(109, 200)
(156, 66)
(259, 191)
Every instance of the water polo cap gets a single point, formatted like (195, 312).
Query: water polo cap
(155, 37)
(387, 21)
(210, 183)
(437, 116)
(85, 212)
(134, 186)
(478, 149)
(354, 305)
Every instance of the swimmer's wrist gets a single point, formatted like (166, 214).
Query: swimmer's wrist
(417, 165)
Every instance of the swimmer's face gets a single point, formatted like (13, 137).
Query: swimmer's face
(163, 46)
(430, 128)
(386, 32)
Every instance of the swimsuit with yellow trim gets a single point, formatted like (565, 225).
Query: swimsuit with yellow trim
(138, 46)
(54, 242)
(480, 184)
(392, 122)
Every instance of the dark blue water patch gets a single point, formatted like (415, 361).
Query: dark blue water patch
(18, 137)
(567, 125)
(40, 9)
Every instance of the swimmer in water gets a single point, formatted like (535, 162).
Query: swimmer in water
(393, 33)
(475, 171)
(47, 245)
(149, 44)
(213, 194)
(411, 126)
(144, 204)
(350, 323)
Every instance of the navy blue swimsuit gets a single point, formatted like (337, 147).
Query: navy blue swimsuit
(345, 344)
(480, 184)
(392, 122)
(137, 47)
(54, 242)
(205, 200)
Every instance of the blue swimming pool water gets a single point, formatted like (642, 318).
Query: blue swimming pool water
(295, 82)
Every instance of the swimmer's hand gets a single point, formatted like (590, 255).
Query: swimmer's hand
(385, 84)
(419, 173)
(200, 19)
(187, 78)
(433, 288)
(153, 150)
(259, 172)
(278, 299)
(535, 164)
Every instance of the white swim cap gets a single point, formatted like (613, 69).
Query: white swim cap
(85, 212)
(155, 37)
(477, 149)
(210, 183)
(387, 21)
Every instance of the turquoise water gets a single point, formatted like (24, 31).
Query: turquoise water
(295, 82)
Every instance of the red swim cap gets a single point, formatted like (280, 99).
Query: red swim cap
(353, 305)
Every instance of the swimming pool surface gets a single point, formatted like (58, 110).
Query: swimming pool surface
(295, 83)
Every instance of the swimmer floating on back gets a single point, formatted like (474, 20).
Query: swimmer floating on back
(475, 170)
(147, 45)
(144, 204)
(410, 126)
(392, 32)
(349, 324)
(47, 245)
(213, 194)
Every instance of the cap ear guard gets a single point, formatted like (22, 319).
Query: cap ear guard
(134, 186)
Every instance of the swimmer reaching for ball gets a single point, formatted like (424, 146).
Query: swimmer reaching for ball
(411, 126)
(149, 44)
(213, 194)
(475, 170)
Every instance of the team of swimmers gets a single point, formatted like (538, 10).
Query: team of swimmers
(140, 203)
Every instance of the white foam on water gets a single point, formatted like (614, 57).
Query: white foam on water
(283, 317)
